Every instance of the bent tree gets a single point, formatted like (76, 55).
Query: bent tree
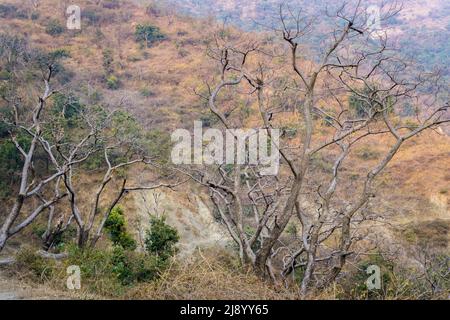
(308, 97)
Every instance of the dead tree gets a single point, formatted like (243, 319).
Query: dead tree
(94, 217)
(32, 186)
(353, 64)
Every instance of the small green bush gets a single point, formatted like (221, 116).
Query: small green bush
(108, 60)
(54, 28)
(132, 267)
(90, 16)
(11, 162)
(148, 34)
(70, 104)
(10, 11)
(112, 82)
(35, 15)
(117, 228)
(146, 92)
(161, 238)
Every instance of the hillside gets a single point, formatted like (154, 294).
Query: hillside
(159, 83)
(420, 30)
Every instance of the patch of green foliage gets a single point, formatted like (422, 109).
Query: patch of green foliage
(67, 105)
(112, 82)
(161, 238)
(148, 34)
(11, 163)
(117, 229)
(54, 28)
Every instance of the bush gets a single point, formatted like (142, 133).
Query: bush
(363, 108)
(10, 11)
(158, 144)
(209, 119)
(111, 4)
(117, 228)
(132, 267)
(69, 105)
(148, 34)
(96, 268)
(146, 92)
(34, 15)
(108, 271)
(112, 82)
(161, 238)
(54, 28)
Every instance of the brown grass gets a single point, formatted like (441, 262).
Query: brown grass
(210, 276)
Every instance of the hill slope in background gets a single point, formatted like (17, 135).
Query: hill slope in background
(421, 29)
(156, 84)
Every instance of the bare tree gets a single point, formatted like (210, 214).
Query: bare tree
(33, 185)
(86, 222)
(256, 209)
(67, 151)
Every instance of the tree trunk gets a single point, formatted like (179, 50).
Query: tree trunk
(3, 238)
(12, 216)
(83, 238)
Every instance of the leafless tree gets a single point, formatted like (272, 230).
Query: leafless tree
(86, 221)
(32, 185)
(67, 152)
(356, 62)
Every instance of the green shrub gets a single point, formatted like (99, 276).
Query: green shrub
(69, 105)
(357, 282)
(161, 238)
(96, 268)
(117, 228)
(362, 107)
(148, 34)
(209, 119)
(132, 267)
(5, 75)
(34, 15)
(10, 11)
(54, 28)
(158, 144)
(146, 92)
(112, 82)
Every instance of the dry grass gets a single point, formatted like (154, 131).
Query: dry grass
(209, 276)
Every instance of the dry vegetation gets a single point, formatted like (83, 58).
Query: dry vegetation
(156, 85)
